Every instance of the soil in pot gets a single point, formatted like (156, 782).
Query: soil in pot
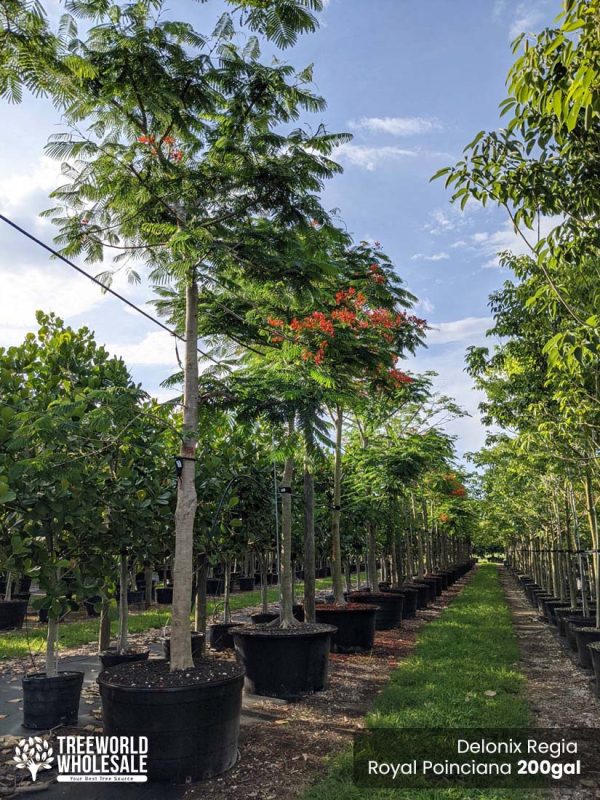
(197, 646)
(12, 613)
(48, 702)
(191, 717)
(112, 657)
(284, 662)
(264, 617)
(585, 636)
(164, 596)
(220, 635)
(355, 623)
(389, 611)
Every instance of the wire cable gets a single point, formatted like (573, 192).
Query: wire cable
(104, 287)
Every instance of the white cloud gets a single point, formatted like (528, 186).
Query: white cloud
(17, 187)
(527, 18)
(459, 243)
(434, 257)
(425, 305)
(155, 349)
(460, 330)
(397, 126)
(370, 158)
(51, 288)
(507, 238)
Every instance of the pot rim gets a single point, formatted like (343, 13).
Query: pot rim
(65, 673)
(103, 679)
(263, 632)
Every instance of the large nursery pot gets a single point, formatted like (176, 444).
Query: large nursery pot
(584, 637)
(552, 607)
(246, 584)
(197, 646)
(435, 583)
(284, 662)
(409, 605)
(264, 617)
(214, 586)
(48, 702)
(91, 605)
(389, 611)
(560, 615)
(191, 717)
(220, 635)
(164, 596)
(424, 596)
(355, 623)
(12, 613)
(112, 657)
(571, 625)
(594, 649)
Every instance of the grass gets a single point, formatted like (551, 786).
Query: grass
(18, 644)
(470, 649)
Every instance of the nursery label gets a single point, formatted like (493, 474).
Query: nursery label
(102, 759)
(477, 758)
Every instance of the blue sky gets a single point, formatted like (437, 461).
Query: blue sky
(414, 82)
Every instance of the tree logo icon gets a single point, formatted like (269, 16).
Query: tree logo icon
(33, 754)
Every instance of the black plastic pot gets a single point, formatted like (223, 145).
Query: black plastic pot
(585, 636)
(571, 625)
(355, 625)
(164, 596)
(284, 663)
(214, 586)
(264, 617)
(111, 657)
(389, 611)
(197, 645)
(444, 577)
(192, 730)
(90, 606)
(435, 583)
(424, 593)
(594, 649)
(411, 601)
(246, 584)
(560, 614)
(48, 702)
(12, 613)
(220, 635)
(551, 607)
(272, 579)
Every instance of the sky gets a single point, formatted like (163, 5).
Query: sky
(413, 82)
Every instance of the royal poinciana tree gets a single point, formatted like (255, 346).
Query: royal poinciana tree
(176, 156)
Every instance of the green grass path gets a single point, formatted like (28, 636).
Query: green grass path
(469, 650)
(17, 644)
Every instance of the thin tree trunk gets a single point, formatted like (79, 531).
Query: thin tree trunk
(181, 642)
(336, 545)
(227, 591)
(104, 631)
(148, 572)
(309, 541)
(287, 600)
(372, 557)
(593, 523)
(123, 606)
(200, 611)
(52, 647)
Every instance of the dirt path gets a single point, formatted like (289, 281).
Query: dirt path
(560, 694)
(286, 747)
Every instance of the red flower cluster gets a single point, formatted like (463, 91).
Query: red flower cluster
(444, 517)
(173, 153)
(399, 377)
(460, 491)
(316, 321)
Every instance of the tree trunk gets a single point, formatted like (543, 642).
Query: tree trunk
(52, 648)
(336, 544)
(181, 641)
(104, 631)
(200, 611)
(593, 523)
(227, 591)
(309, 541)
(123, 605)
(287, 600)
(372, 557)
(148, 572)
